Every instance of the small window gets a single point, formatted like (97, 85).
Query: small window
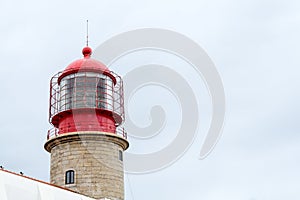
(70, 177)
(120, 155)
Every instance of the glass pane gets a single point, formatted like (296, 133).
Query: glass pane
(70, 177)
(86, 89)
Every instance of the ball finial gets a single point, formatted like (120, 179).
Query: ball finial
(87, 51)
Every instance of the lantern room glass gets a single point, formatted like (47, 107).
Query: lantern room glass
(86, 90)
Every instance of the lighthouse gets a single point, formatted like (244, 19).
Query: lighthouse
(87, 140)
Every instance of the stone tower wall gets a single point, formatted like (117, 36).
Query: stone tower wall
(95, 159)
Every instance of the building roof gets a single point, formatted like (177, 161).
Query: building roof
(16, 186)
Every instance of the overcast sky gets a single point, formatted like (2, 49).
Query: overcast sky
(254, 45)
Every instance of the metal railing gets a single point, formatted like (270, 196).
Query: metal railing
(54, 132)
(120, 131)
(83, 92)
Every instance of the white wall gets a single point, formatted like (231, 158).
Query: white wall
(14, 187)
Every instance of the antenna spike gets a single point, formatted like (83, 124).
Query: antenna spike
(87, 33)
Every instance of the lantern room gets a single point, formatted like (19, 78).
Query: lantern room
(86, 96)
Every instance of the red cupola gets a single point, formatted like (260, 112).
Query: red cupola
(86, 96)
(86, 64)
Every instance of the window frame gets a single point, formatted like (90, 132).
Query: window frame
(120, 155)
(70, 177)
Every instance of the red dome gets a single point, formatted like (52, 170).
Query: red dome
(86, 64)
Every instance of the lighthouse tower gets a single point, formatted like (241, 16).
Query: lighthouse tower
(87, 142)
